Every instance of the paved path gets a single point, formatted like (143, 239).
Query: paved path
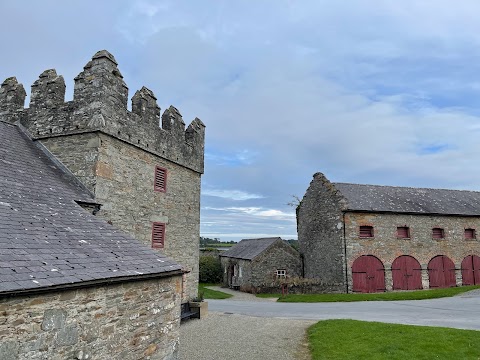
(461, 311)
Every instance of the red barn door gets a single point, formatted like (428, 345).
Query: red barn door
(406, 273)
(368, 274)
(441, 272)
(471, 270)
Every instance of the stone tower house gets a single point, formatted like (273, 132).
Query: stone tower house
(145, 178)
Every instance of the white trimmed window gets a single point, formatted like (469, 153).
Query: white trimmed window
(281, 273)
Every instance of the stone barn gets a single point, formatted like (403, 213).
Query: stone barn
(253, 264)
(369, 238)
(99, 219)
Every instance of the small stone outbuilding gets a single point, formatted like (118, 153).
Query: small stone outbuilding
(254, 264)
(369, 238)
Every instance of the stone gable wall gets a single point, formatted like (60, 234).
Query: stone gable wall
(276, 257)
(134, 320)
(320, 233)
(387, 247)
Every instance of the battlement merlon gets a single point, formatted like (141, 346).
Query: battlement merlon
(12, 100)
(100, 104)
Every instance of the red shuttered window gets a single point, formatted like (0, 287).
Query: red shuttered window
(438, 233)
(160, 183)
(158, 235)
(366, 231)
(403, 232)
(470, 234)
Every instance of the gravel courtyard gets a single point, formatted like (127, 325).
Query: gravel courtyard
(238, 337)
(222, 336)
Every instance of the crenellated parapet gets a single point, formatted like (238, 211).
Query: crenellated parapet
(99, 103)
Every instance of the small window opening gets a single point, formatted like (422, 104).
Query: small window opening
(403, 232)
(366, 231)
(470, 234)
(158, 235)
(438, 233)
(160, 183)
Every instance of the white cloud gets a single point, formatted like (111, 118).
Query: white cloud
(231, 194)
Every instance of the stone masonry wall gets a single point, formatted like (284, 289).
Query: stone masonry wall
(125, 187)
(79, 154)
(134, 320)
(278, 256)
(386, 246)
(320, 233)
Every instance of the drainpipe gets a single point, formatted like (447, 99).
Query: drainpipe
(302, 258)
(345, 253)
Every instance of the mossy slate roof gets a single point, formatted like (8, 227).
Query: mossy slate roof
(248, 249)
(395, 199)
(46, 239)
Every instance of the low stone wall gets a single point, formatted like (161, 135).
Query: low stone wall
(134, 320)
(295, 286)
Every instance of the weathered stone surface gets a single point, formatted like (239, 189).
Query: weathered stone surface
(320, 233)
(54, 319)
(12, 99)
(142, 325)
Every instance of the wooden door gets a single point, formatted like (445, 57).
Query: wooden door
(441, 272)
(368, 274)
(406, 273)
(471, 270)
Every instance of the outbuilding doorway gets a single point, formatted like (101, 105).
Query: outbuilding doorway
(471, 270)
(406, 273)
(368, 274)
(441, 272)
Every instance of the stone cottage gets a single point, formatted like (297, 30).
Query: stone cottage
(253, 264)
(369, 238)
(71, 174)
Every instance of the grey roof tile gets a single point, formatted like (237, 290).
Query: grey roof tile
(42, 227)
(410, 200)
(248, 249)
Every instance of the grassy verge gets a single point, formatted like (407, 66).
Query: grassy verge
(351, 339)
(211, 294)
(387, 296)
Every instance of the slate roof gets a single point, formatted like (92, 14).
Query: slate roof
(410, 200)
(248, 249)
(46, 239)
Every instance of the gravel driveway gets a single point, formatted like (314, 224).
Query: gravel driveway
(223, 336)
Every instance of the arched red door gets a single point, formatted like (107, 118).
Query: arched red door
(406, 273)
(441, 272)
(471, 270)
(368, 274)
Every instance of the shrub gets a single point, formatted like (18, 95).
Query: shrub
(210, 269)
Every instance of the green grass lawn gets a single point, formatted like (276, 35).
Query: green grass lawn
(351, 339)
(212, 294)
(385, 296)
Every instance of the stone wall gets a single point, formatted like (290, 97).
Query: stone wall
(277, 257)
(134, 320)
(387, 247)
(320, 233)
(125, 187)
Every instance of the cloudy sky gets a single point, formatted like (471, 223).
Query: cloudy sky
(379, 92)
